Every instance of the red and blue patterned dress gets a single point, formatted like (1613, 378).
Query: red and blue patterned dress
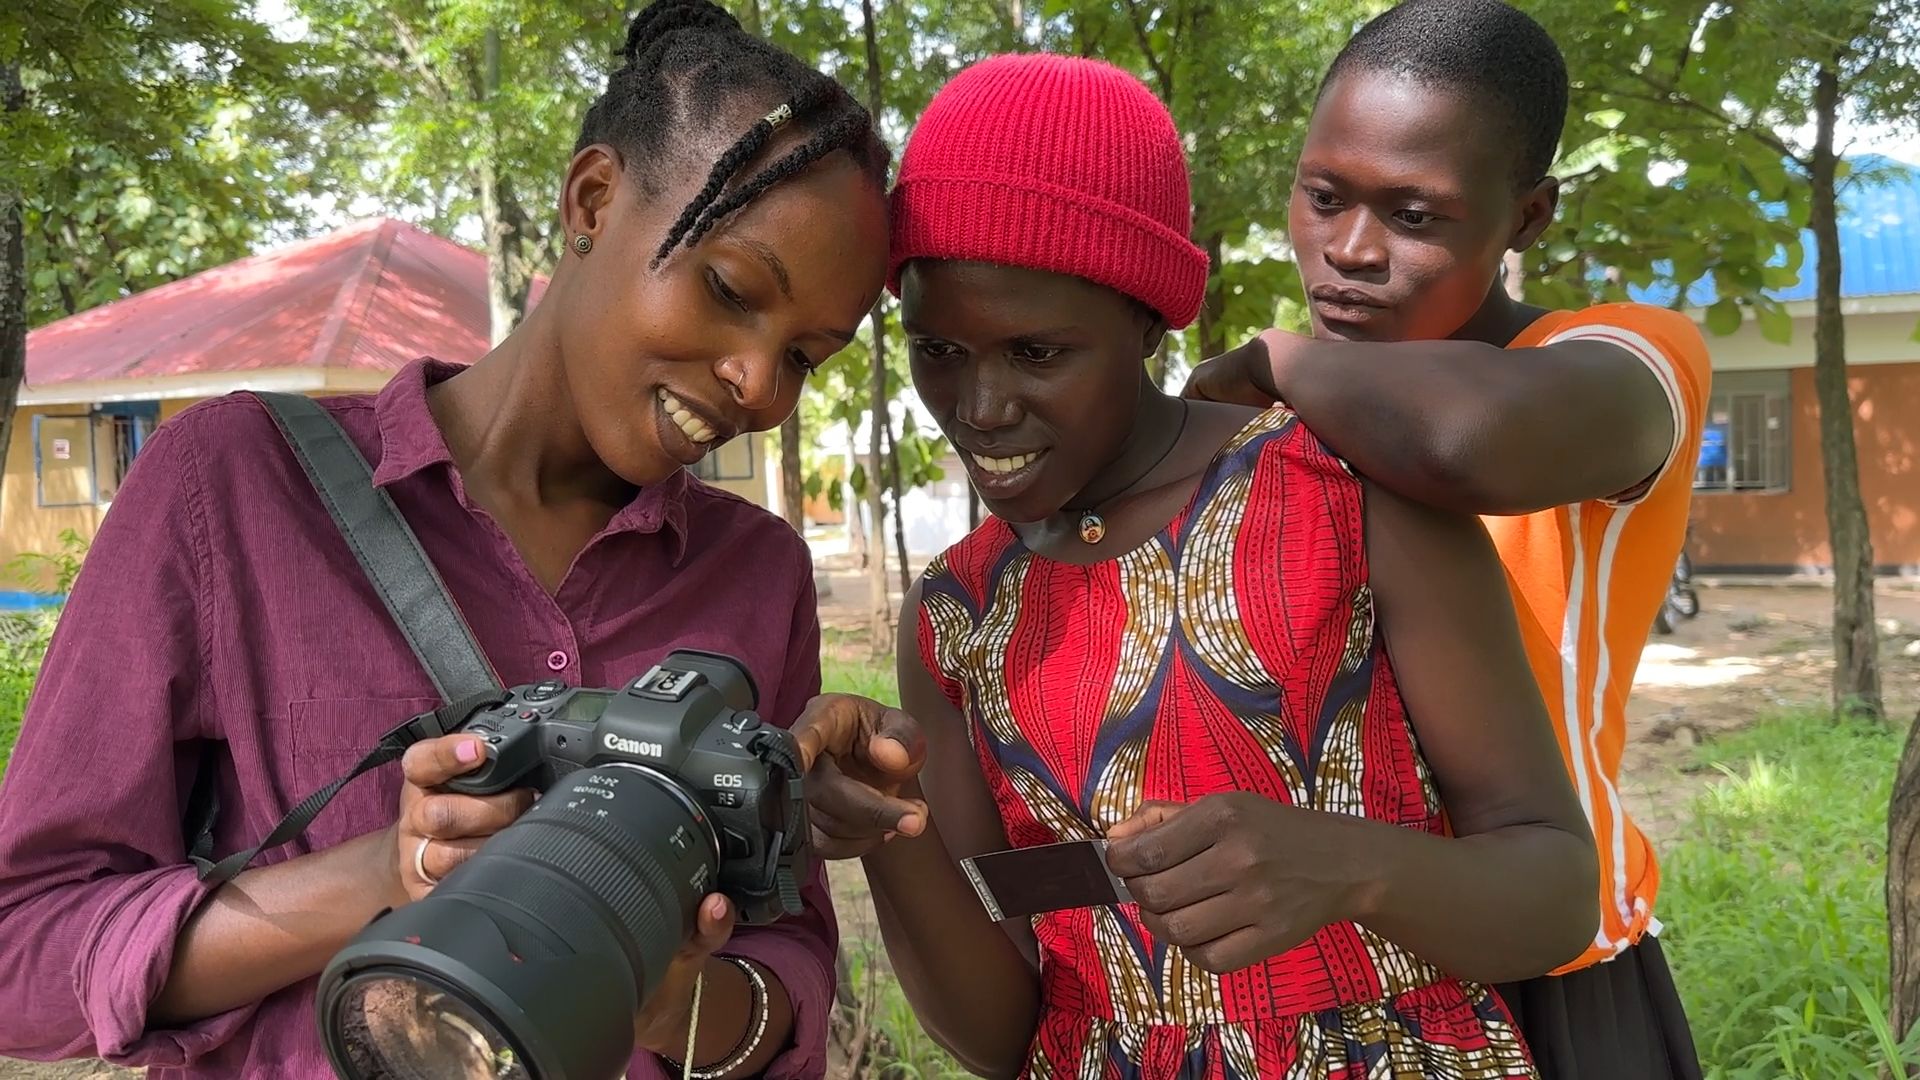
(1234, 651)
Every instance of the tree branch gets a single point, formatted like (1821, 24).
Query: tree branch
(1160, 72)
(1673, 97)
(416, 55)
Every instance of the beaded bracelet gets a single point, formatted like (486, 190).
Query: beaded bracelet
(749, 1040)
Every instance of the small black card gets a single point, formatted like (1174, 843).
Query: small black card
(1022, 882)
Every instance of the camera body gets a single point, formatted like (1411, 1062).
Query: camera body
(690, 720)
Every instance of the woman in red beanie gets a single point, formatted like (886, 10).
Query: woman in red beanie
(1297, 707)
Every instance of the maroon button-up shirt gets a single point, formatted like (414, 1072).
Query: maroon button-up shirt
(220, 602)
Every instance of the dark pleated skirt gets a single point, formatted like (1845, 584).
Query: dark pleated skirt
(1621, 1020)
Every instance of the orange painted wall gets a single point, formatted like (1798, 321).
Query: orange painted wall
(1788, 531)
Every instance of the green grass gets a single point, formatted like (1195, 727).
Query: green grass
(1774, 896)
(874, 679)
(22, 643)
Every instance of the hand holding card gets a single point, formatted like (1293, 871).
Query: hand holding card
(1234, 878)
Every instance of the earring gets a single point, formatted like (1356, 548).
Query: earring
(583, 243)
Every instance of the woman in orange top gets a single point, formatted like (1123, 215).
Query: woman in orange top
(1425, 163)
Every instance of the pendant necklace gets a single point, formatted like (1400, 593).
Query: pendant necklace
(1093, 525)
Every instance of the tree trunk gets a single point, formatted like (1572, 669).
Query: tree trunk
(1903, 888)
(1856, 645)
(502, 311)
(750, 17)
(1514, 275)
(13, 278)
(973, 507)
(880, 605)
(1213, 338)
(880, 621)
(793, 484)
(1157, 363)
(896, 489)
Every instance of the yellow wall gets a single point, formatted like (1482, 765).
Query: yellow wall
(26, 526)
(748, 454)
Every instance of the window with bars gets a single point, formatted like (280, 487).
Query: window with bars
(81, 458)
(1744, 446)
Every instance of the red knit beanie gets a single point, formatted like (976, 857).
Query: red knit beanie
(1053, 163)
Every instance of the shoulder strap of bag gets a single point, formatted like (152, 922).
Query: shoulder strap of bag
(414, 594)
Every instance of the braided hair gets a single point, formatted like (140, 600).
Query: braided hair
(685, 61)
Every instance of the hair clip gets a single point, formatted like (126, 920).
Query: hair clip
(779, 116)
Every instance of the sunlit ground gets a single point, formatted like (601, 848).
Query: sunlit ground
(1668, 665)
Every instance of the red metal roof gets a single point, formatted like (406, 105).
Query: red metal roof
(370, 297)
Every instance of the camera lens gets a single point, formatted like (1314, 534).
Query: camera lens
(409, 1028)
(531, 958)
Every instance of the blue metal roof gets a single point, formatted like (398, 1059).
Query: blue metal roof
(1879, 242)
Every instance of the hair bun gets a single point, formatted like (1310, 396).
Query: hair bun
(663, 17)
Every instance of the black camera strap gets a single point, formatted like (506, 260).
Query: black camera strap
(415, 596)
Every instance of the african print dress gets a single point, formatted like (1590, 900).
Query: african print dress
(1235, 651)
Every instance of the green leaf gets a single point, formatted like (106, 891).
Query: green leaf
(1607, 118)
(1778, 277)
(1775, 324)
(1724, 317)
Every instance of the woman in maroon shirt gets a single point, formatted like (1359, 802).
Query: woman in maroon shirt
(725, 233)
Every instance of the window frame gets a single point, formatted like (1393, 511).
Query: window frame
(709, 470)
(140, 419)
(1748, 399)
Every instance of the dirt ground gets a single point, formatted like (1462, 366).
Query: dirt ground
(1753, 650)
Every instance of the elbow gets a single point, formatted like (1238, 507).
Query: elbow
(990, 1055)
(994, 1067)
(1458, 466)
(1568, 915)
(989, 1042)
(1485, 458)
(1451, 467)
(1576, 913)
(1557, 926)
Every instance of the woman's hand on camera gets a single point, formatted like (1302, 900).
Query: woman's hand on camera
(863, 760)
(437, 830)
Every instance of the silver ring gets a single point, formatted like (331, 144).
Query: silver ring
(420, 862)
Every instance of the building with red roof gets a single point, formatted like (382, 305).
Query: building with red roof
(337, 314)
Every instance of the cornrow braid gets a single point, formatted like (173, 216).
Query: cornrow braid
(832, 135)
(689, 60)
(745, 149)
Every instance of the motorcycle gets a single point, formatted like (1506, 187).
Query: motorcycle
(1681, 602)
